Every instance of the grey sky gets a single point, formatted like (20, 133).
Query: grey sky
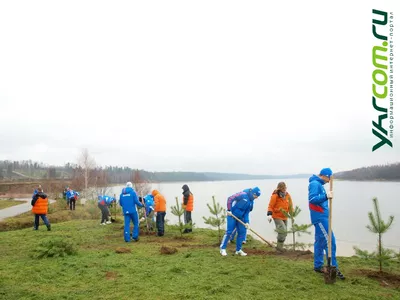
(226, 86)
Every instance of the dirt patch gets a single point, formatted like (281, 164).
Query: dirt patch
(111, 275)
(168, 250)
(289, 254)
(385, 279)
(123, 250)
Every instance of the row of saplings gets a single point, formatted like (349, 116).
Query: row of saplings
(383, 256)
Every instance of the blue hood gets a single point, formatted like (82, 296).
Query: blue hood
(127, 190)
(316, 178)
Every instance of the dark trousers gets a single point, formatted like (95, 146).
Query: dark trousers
(104, 213)
(72, 203)
(45, 221)
(188, 220)
(160, 222)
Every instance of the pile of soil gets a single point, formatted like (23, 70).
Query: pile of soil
(168, 250)
(289, 254)
(385, 279)
(123, 250)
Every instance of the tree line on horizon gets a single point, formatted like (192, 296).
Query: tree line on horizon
(28, 169)
(386, 172)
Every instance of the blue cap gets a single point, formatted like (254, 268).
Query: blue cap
(256, 191)
(326, 172)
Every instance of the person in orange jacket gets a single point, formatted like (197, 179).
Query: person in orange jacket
(160, 209)
(40, 205)
(187, 205)
(280, 200)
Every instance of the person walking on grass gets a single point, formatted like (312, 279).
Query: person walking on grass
(128, 201)
(72, 196)
(238, 205)
(280, 200)
(40, 206)
(103, 204)
(160, 210)
(187, 205)
(319, 212)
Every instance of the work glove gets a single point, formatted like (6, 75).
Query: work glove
(330, 194)
(246, 225)
(269, 219)
(229, 213)
(183, 206)
(142, 219)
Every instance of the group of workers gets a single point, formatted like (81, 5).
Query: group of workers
(238, 207)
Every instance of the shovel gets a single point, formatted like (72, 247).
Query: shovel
(330, 271)
(230, 214)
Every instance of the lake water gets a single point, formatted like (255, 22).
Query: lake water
(351, 204)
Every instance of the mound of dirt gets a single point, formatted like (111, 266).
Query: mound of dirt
(111, 275)
(384, 278)
(168, 250)
(123, 250)
(289, 254)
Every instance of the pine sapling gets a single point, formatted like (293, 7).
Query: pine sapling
(378, 226)
(295, 228)
(178, 211)
(218, 217)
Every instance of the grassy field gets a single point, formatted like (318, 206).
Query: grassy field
(105, 267)
(4, 203)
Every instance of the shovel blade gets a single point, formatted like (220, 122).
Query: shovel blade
(330, 274)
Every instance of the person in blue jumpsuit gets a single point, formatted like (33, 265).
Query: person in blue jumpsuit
(239, 205)
(234, 232)
(319, 212)
(103, 203)
(128, 201)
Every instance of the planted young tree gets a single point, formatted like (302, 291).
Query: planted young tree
(178, 211)
(219, 217)
(379, 227)
(295, 229)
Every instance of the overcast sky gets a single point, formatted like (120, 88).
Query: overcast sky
(228, 86)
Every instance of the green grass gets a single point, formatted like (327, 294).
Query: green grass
(196, 271)
(4, 203)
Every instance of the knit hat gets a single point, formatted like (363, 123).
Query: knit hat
(129, 184)
(326, 172)
(256, 191)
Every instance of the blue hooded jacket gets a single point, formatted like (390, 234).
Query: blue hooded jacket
(105, 200)
(149, 201)
(71, 193)
(129, 200)
(317, 199)
(240, 204)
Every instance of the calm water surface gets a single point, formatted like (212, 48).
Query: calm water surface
(351, 204)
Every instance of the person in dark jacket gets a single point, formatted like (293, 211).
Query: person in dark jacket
(39, 208)
(188, 207)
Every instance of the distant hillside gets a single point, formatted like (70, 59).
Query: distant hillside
(23, 170)
(388, 172)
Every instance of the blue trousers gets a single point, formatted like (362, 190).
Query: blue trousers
(44, 218)
(232, 224)
(321, 244)
(234, 233)
(134, 217)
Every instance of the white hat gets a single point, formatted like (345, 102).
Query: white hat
(129, 184)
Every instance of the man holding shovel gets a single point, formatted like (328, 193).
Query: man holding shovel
(319, 211)
(238, 208)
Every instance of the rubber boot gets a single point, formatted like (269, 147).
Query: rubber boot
(279, 247)
(49, 227)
